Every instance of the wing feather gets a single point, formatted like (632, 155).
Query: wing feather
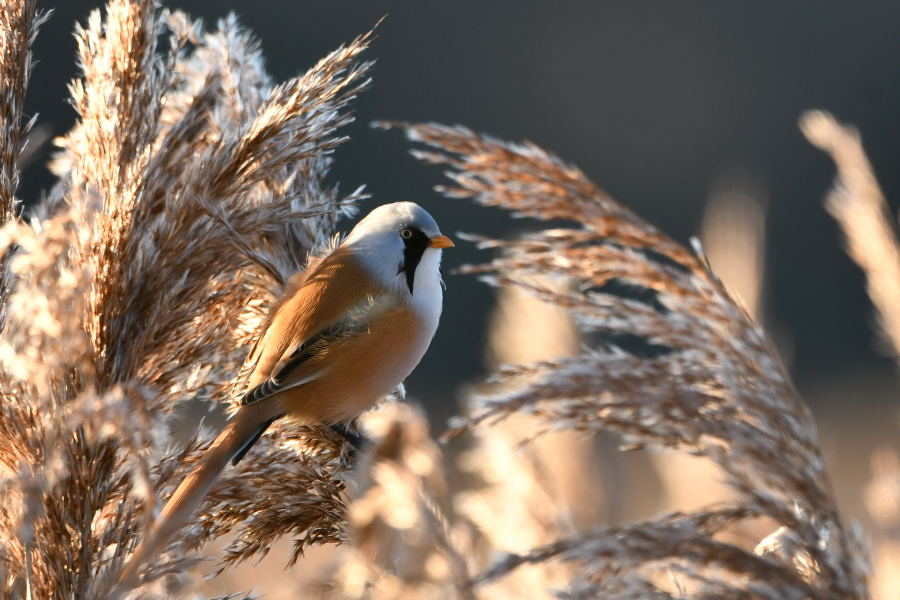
(324, 305)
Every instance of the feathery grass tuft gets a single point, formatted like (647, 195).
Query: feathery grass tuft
(675, 363)
(189, 190)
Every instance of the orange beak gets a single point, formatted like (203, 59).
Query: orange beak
(440, 241)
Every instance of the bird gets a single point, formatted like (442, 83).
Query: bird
(346, 331)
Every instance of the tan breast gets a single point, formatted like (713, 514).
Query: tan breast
(357, 372)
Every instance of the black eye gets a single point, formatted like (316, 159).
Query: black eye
(406, 233)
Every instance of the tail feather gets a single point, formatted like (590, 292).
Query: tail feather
(245, 447)
(191, 492)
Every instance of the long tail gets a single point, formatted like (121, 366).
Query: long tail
(244, 427)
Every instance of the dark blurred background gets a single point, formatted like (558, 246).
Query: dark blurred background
(653, 100)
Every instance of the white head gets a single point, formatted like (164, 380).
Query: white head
(400, 244)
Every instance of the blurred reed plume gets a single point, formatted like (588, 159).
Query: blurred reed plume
(190, 188)
(733, 236)
(674, 362)
(858, 204)
(402, 541)
(556, 478)
(860, 208)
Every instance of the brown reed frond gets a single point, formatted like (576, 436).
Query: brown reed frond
(19, 23)
(292, 486)
(64, 444)
(686, 540)
(216, 203)
(189, 190)
(858, 205)
(675, 363)
(617, 588)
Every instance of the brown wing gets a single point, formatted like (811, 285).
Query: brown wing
(326, 295)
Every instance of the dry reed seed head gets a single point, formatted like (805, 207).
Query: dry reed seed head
(674, 542)
(859, 206)
(616, 588)
(117, 56)
(47, 306)
(244, 221)
(402, 465)
(231, 54)
(783, 544)
(675, 361)
(140, 285)
(293, 485)
(55, 430)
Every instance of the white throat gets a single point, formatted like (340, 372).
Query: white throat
(428, 292)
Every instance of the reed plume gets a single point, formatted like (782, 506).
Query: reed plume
(674, 362)
(858, 205)
(19, 23)
(188, 191)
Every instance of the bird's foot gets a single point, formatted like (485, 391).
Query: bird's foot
(358, 441)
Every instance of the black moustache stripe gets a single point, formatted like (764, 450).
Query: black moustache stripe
(415, 247)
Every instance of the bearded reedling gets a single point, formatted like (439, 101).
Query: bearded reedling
(347, 331)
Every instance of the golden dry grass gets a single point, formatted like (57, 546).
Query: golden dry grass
(182, 207)
(676, 363)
